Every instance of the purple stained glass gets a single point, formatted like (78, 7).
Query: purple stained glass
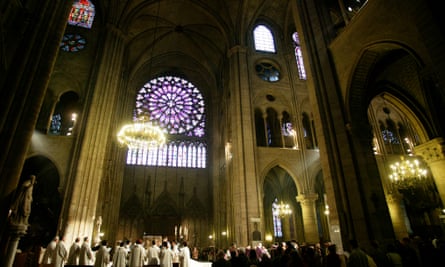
(174, 103)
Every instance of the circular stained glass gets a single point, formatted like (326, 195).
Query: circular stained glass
(267, 72)
(174, 103)
(72, 42)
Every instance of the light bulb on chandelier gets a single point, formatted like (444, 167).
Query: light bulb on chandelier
(407, 173)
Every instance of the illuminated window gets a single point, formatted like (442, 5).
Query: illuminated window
(299, 57)
(277, 228)
(263, 39)
(65, 116)
(82, 14)
(72, 42)
(56, 124)
(175, 105)
(267, 72)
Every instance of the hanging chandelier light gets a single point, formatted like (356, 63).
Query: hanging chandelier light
(282, 209)
(141, 134)
(407, 173)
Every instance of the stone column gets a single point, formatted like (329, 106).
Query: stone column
(398, 214)
(309, 214)
(265, 128)
(244, 192)
(280, 119)
(433, 152)
(16, 231)
(286, 227)
(100, 126)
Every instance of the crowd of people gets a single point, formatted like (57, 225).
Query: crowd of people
(408, 252)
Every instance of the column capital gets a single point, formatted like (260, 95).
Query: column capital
(432, 150)
(307, 198)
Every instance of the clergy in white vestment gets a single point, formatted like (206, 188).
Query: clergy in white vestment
(137, 255)
(166, 255)
(86, 254)
(184, 255)
(102, 255)
(74, 253)
(61, 253)
(49, 255)
(120, 256)
(175, 249)
(153, 254)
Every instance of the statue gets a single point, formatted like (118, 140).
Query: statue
(21, 207)
(18, 219)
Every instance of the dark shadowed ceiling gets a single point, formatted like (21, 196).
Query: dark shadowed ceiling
(192, 37)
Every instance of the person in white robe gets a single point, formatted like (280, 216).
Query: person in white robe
(175, 249)
(137, 255)
(153, 254)
(102, 255)
(120, 256)
(166, 255)
(74, 253)
(86, 254)
(61, 253)
(49, 255)
(184, 255)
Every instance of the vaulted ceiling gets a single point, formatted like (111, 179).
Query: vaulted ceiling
(191, 37)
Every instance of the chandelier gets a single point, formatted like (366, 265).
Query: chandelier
(141, 134)
(407, 173)
(282, 209)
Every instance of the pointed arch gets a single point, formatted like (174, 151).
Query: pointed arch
(47, 201)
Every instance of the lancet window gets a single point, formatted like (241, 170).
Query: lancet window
(299, 56)
(82, 14)
(263, 39)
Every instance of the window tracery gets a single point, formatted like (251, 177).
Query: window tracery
(177, 106)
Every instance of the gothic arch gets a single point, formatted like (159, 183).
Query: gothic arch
(279, 164)
(279, 185)
(369, 79)
(394, 70)
(410, 115)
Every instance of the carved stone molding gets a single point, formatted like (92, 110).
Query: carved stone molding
(432, 150)
(306, 199)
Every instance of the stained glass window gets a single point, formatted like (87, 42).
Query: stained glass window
(82, 14)
(72, 43)
(267, 72)
(177, 106)
(263, 39)
(56, 124)
(299, 57)
(277, 229)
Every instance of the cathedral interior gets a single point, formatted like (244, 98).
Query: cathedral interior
(283, 120)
